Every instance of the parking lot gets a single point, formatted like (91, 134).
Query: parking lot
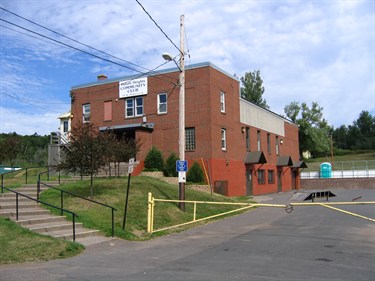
(310, 243)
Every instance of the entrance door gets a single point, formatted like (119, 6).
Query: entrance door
(294, 180)
(279, 182)
(249, 182)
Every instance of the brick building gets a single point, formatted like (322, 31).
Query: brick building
(246, 150)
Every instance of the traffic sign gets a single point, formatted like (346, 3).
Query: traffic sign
(181, 166)
(131, 166)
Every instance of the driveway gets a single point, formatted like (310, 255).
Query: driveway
(310, 243)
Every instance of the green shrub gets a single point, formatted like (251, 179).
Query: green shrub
(195, 174)
(170, 166)
(154, 160)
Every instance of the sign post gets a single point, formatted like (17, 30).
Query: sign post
(181, 168)
(130, 170)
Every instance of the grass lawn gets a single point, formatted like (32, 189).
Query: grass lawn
(112, 191)
(344, 162)
(19, 245)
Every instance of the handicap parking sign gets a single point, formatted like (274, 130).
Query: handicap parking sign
(181, 166)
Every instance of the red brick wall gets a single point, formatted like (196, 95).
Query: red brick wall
(202, 111)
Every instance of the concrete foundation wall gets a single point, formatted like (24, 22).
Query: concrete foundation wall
(338, 183)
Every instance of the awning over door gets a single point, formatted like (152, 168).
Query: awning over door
(255, 157)
(299, 164)
(284, 161)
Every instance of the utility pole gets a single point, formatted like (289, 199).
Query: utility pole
(181, 130)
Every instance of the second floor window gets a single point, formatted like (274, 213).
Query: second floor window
(134, 107)
(258, 140)
(66, 126)
(247, 138)
(162, 103)
(223, 139)
(222, 102)
(277, 145)
(86, 112)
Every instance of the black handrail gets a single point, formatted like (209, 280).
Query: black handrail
(75, 195)
(74, 215)
(27, 169)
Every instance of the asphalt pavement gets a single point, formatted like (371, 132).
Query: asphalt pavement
(310, 243)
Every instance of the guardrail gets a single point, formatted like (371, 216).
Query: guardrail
(74, 215)
(343, 174)
(331, 204)
(151, 210)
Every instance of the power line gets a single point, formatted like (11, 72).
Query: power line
(76, 41)
(23, 33)
(90, 54)
(69, 46)
(159, 27)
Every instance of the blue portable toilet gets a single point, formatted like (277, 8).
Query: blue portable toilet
(325, 170)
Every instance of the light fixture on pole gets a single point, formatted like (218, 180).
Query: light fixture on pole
(181, 123)
(168, 57)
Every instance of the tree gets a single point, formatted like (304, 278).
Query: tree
(11, 146)
(85, 153)
(359, 135)
(252, 88)
(170, 165)
(314, 131)
(154, 160)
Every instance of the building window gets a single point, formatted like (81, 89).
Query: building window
(271, 176)
(162, 103)
(269, 143)
(190, 139)
(65, 126)
(223, 139)
(108, 111)
(258, 140)
(247, 138)
(222, 102)
(261, 177)
(86, 112)
(134, 107)
(277, 145)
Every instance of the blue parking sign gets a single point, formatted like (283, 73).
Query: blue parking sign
(181, 166)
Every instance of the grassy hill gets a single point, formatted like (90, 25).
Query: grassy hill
(112, 191)
(357, 160)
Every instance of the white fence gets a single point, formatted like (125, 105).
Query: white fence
(341, 174)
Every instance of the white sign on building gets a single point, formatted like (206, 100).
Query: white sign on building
(132, 88)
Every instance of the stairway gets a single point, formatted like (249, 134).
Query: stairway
(33, 216)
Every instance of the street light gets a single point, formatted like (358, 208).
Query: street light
(181, 123)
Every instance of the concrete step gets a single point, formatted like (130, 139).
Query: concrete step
(53, 226)
(68, 234)
(38, 219)
(21, 205)
(11, 199)
(23, 212)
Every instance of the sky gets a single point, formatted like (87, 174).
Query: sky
(306, 51)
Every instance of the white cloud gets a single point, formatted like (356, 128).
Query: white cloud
(12, 120)
(306, 51)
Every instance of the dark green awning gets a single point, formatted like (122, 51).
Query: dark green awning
(299, 164)
(255, 157)
(284, 161)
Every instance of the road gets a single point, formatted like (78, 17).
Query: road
(310, 243)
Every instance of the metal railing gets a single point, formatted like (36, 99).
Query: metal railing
(242, 206)
(343, 169)
(26, 175)
(74, 215)
(332, 204)
(78, 196)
